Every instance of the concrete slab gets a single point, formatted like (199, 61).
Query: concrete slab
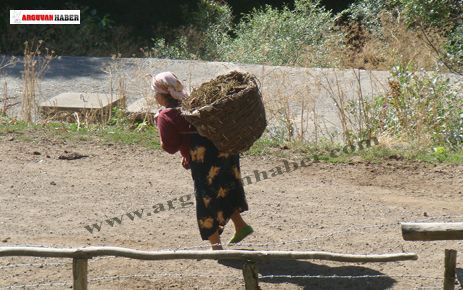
(72, 101)
(142, 106)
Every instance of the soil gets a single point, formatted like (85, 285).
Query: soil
(350, 208)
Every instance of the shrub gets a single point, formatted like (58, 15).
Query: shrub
(444, 15)
(282, 37)
(395, 44)
(422, 107)
(454, 50)
(437, 13)
(208, 30)
(214, 21)
(366, 12)
(177, 50)
(96, 35)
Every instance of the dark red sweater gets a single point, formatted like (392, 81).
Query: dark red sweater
(171, 125)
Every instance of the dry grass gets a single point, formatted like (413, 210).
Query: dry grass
(297, 113)
(36, 61)
(288, 111)
(395, 44)
(7, 101)
(6, 62)
(352, 104)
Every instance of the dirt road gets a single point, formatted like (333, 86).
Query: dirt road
(350, 208)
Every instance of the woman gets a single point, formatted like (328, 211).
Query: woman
(217, 181)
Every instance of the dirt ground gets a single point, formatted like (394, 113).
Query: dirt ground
(350, 208)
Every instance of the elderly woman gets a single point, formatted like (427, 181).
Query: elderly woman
(217, 180)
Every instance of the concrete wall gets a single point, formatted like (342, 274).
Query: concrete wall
(313, 89)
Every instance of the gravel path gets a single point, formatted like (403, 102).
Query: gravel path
(350, 208)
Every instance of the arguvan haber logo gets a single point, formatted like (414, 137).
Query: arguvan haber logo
(38, 17)
(44, 16)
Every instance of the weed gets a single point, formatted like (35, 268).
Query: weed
(7, 101)
(422, 106)
(36, 61)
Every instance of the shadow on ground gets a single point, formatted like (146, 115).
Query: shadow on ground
(459, 273)
(299, 268)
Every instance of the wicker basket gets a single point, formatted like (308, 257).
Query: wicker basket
(232, 123)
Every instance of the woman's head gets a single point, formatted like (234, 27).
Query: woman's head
(168, 89)
(166, 100)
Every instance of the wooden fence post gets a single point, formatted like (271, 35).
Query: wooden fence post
(79, 273)
(450, 269)
(250, 274)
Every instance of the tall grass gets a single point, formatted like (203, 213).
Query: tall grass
(419, 108)
(36, 61)
(7, 101)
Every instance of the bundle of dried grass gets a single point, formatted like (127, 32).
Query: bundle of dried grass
(227, 110)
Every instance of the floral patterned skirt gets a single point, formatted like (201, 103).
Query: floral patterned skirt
(218, 187)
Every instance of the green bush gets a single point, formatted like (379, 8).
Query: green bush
(436, 13)
(214, 22)
(454, 50)
(209, 27)
(422, 107)
(366, 12)
(177, 50)
(282, 37)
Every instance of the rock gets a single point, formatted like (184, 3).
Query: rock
(53, 183)
(395, 157)
(355, 159)
(71, 156)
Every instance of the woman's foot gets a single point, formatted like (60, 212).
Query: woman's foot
(241, 234)
(214, 239)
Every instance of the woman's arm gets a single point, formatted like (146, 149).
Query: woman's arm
(169, 136)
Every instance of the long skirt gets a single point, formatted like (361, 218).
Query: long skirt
(218, 186)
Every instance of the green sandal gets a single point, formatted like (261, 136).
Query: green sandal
(239, 236)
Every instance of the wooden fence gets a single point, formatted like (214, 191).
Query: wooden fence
(80, 258)
(437, 232)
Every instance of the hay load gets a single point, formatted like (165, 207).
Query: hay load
(227, 110)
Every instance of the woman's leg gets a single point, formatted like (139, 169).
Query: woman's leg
(242, 229)
(238, 221)
(214, 239)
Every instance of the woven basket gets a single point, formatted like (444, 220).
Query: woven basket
(232, 123)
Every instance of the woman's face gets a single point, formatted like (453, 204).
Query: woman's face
(160, 99)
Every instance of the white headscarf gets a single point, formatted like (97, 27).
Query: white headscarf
(168, 83)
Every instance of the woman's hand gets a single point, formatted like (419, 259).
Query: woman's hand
(185, 163)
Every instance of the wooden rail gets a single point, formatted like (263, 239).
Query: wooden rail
(80, 258)
(90, 252)
(437, 232)
(432, 231)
